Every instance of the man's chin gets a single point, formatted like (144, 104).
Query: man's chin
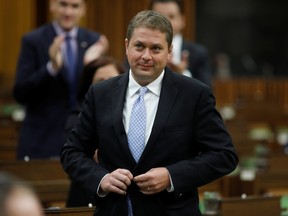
(145, 68)
(67, 26)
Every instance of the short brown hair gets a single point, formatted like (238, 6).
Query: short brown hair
(153, 20)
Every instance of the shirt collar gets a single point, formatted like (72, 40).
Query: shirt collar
(154, 87)
(59, 30)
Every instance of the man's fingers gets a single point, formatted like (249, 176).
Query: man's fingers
(153, 181)
(117, 181)
(127, 173)
(55, 52)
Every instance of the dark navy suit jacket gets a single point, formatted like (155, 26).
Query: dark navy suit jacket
(188, 138)
(199, 64)
(45, 98)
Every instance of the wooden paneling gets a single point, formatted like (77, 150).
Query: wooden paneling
(107, 17)
(257, 103)
(16, 18)
(275, 179)
(246, 89)
(8, 139)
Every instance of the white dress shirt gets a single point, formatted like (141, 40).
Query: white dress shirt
(151, 99)
(177, 53)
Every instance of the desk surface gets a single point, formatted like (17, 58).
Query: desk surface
(80, 211)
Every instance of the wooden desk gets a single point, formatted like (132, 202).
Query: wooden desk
(233, 186)
(275, 179)
(80, 211)
(251, 206)
(47, 177)
(8, 138)
(212, 186)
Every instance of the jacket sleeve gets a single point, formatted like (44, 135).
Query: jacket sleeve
(216, 155)
(32, 77)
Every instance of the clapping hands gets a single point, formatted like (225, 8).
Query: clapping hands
(97, 49)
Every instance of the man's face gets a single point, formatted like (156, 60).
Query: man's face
(22, 203)
(147, 53)
(67, 12)
(172, 12)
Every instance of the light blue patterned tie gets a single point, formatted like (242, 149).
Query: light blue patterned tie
(137, 127)
(136, 132)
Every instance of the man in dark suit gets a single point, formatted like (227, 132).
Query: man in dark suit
(189, 58)
(44, 85)
(185, 142)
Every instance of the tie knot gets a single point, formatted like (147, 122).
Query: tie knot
(68, 37)
(143, 90)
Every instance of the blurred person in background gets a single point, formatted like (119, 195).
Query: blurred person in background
(17, 198)
(188, 58)
(48, 71)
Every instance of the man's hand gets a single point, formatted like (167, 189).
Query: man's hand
(153, 181)
(182, 66)
(96, 50)
(55, 54)
(117, 181)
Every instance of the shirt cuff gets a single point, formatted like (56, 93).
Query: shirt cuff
(187, 73)
(171, 188)
(100, 192)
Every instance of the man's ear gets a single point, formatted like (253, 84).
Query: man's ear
(126, 44)
(170, 51)
(83, 9)
(183, 18)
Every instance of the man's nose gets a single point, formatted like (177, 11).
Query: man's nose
(146, 55)
(68, 10)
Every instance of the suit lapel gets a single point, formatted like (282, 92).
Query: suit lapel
(117, 100)
(49, 34)
(82, 45)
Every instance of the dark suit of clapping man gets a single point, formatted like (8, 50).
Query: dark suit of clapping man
(186, 143)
